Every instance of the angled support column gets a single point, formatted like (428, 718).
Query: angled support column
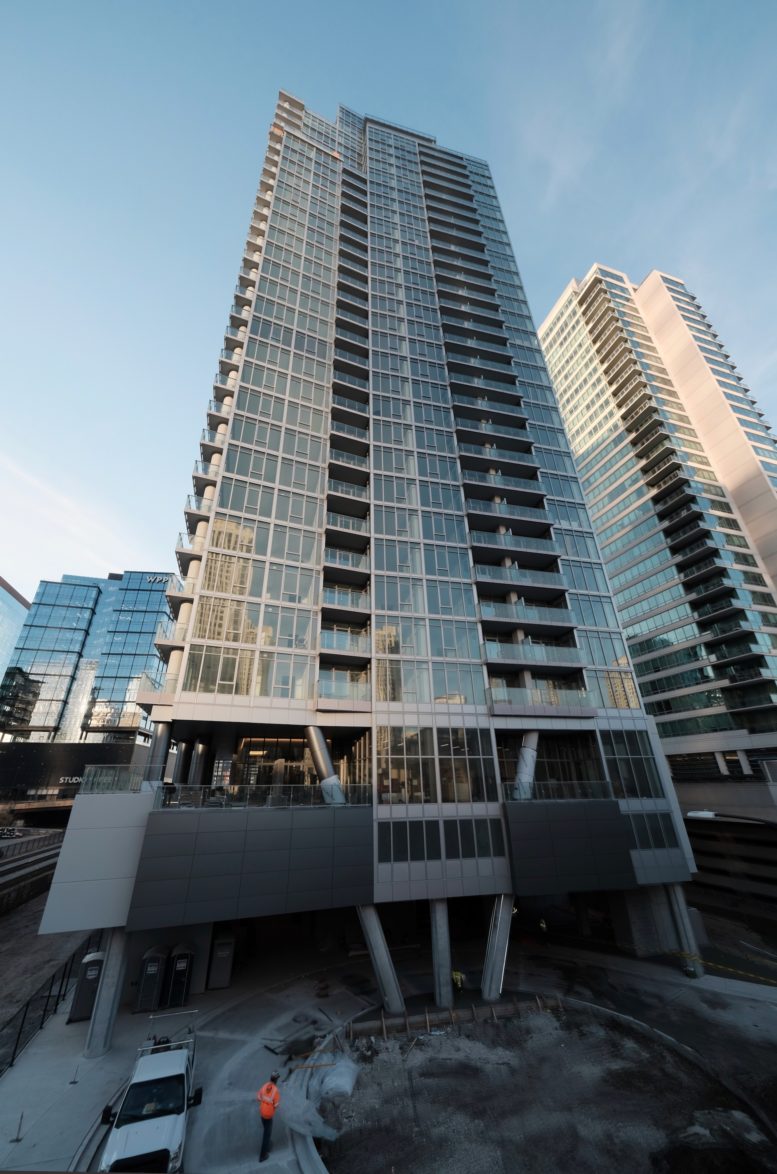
(100, 1034)
(386, 975)
(331, 788)
(685, 934)
(441, 953)
(496, 950)
(527, 759)
(157, 755)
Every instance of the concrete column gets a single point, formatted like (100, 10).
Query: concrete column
(527, 759)
(174, 662)
(183, 760)
(685, 934)
(744, 762)
(197, 767)
(157, 755)
(441, 953)
(496, 950)
(100, 1034)
(386, 975)
(722, 764)
(331, 788)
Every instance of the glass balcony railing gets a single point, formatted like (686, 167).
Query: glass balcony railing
(515, 542)
(529, 698)
(348, 489)
(167, 684)
(342, 597)
(505, 509)
(337, 640)
(516, 574)
(348, 458)
(362, 434)
(168, 632)
(212, 439)
(346, 522)
(205, 469)
(236, 332)
(337, 690)
(281, 793)
(489, 429)
(351, 405)
(354, 380)
(348, 316)
(499, 455)
(525, 652)
(198, 505)
(557, 789)
(501, 480)
(192, 543)
(350, 357)
(513, 611)
(346, 558)
(229, 381)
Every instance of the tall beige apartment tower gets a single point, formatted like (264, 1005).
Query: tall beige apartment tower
(679, 471)
(728, 422)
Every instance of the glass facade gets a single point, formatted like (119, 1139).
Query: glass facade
(388, 540)
(696, 603)
(13, 610)
(79, 659)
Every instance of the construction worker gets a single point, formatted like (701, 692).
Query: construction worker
(269, 1098)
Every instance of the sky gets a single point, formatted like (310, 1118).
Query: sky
(638, 133)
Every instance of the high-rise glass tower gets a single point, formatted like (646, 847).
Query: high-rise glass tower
(676, 460)
(395, 650)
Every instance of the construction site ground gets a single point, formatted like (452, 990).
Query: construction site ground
(574, 1088)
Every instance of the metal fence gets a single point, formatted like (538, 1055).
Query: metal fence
(25, 1023)
(22, 847)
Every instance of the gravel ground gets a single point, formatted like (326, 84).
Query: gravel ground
(540, 1094)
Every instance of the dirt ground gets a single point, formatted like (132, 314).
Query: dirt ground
(27, 960)
(546, 1093)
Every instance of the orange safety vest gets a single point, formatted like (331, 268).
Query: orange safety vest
(269, 1098)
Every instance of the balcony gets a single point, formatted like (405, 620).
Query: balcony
(357, 407)
(238, 314)
(170, 634)
(502, 482)
(224, 385)
(552, 581)
(197, 509)
(276, 795)
(343, 694)
(348, 316)
(345, 530)
(506, 699)
(508, 388)
(235, 333)
(338, 488)
(204, 473)
(354, 431)
(558, 789)
(489, 458)
(524, 653)
(509, 616)
(343, 603)
(509, 513)
(338, 456)
(218, 413)
(490, 429)
(350, 379)
(518, 543)
(211, 442)
(482, 406)
(347, 566)
(345, 644)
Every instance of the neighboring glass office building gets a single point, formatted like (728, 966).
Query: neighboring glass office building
(13, 609)
(79, 658)
(395, 655)
(679, 469)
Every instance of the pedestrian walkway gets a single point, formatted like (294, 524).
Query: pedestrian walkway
(52, 1098)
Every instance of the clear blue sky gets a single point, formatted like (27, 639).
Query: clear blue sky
(640, 134)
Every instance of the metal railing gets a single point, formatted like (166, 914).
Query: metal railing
(279, 794)
(558, 789)
(531, 697)
(27, 1021)
(513, 611)
(525, 652)
(31, 843)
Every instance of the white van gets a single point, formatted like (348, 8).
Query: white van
(149, 1127)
